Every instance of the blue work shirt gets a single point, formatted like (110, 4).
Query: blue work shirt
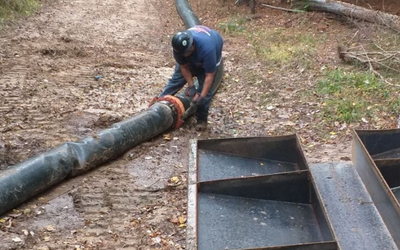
(208, 50)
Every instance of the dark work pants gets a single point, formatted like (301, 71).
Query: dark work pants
(177, 81)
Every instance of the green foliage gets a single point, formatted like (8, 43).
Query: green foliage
(233, 26)
(13, 8)
(279, 47)
(351, 96)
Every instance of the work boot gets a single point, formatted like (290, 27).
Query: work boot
(201, 126)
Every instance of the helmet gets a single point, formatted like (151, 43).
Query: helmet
(182, 42)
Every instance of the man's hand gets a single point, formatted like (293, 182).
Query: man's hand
(198, 100)
(190, 91)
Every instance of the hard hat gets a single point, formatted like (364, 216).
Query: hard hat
(182, 42)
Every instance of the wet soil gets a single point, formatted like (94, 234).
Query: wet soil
(77, 67)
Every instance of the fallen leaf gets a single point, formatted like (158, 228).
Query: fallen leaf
(50, 228)
(290, 123)
(167, 137)
(17, 239)
(9, 223)
(174, 179)
(182, 219)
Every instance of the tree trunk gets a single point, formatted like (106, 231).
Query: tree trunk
(352, 11)
(253, 6)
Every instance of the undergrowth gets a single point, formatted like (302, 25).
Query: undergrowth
(279, 47)
(10, 9)
(356, 95)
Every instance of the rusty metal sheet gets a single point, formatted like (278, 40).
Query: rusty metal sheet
(396, 192)
(390, 154)
(214, 165)
(257, 212)
(355, 220)
(234, 222)
(380, 144)
(274, 148)
(291, 187)
(310, 246)
(390, 170)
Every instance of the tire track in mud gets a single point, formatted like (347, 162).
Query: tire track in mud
(111, 210)
(130, 204)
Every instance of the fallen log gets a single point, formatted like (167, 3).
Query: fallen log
(352, 11)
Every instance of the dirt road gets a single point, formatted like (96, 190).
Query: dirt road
(49, 95)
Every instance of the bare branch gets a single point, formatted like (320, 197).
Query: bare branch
(279, 8)
(371, 59)
(351, 40)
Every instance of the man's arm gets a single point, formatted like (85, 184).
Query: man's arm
(187, 74)
(207, 84)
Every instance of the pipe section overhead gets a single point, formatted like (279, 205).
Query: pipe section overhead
(186, 13)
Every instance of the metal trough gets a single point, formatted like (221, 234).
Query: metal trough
(384, 148)
(254, 193)
(376, 156)
(245, 157)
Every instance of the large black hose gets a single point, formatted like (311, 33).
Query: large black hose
(34, 175)
(186, 13)
(30, 177)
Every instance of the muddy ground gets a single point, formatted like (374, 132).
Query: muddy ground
(49, 95)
